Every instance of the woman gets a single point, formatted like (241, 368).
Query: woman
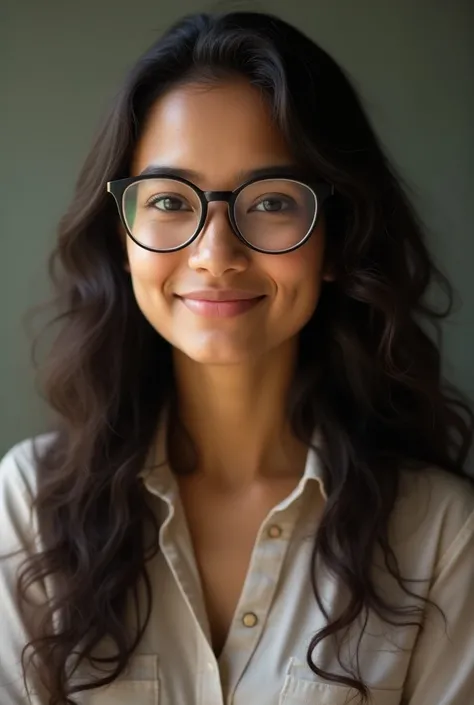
(254, 492)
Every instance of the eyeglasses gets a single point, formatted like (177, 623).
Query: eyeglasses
(270, 215)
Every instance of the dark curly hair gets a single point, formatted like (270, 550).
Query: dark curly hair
(368, 372)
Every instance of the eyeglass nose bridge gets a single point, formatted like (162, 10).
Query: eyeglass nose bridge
(224, 197)
(211, 196)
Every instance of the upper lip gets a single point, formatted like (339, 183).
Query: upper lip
(220, 295)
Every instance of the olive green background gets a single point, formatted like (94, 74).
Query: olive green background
(61, 61)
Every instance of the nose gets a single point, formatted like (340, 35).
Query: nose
(217, 250)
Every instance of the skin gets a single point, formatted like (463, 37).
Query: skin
(232, 374)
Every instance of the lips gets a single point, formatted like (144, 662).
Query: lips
(221, 303)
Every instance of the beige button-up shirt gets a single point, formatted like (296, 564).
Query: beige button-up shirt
(264, 659)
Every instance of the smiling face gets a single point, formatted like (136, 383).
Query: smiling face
(253, 304)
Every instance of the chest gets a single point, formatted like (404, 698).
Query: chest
(224, 529)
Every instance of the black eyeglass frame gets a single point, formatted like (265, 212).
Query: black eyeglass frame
(321, 190)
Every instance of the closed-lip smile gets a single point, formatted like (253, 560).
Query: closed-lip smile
(221, 303)
(220, 295)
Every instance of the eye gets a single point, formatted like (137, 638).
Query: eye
(273, 204)
(169, 203)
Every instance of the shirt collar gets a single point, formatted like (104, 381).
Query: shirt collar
(159, 479)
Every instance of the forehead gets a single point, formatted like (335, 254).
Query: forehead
(215, 130)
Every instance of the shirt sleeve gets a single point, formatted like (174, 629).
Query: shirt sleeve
(18, 540)
(442, 664)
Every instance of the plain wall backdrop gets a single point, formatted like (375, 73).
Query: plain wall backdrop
(60, 63)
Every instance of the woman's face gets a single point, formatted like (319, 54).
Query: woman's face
(219, 133)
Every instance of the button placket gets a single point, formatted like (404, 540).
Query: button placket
(257, 596)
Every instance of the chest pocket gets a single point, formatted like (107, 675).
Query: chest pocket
(301, 692)
(299, 689)
(138, 685)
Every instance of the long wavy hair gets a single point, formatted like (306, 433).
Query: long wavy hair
(368, 372)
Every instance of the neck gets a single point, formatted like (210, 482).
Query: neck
(236, 418)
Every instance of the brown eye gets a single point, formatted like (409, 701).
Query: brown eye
(273, 205)
(168, 203)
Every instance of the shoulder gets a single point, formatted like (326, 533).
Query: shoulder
(18, 477)
(18, 465)
(438, 494)
(434, 514)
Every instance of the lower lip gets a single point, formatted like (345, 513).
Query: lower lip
(221, 309)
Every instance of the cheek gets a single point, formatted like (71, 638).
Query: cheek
(298, 277)
(150, 272)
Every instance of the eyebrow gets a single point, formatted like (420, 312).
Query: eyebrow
(288, 170)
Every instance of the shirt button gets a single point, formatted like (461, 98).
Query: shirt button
(275, 531)
(250, 619)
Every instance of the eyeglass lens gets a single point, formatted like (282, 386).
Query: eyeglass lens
(272, 215)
